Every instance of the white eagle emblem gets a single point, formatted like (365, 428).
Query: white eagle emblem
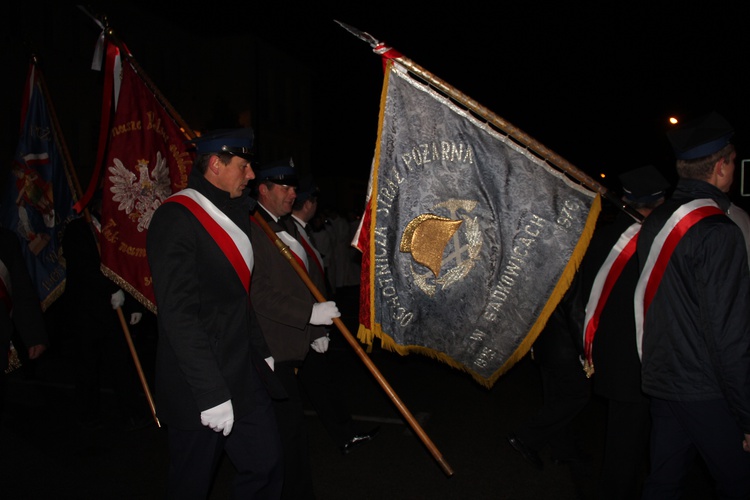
(140, 195)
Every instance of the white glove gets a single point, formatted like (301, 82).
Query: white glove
(118, 299)
(219, 418)
(135, 318)
(323, 313)
(320, 344)
(269, 361)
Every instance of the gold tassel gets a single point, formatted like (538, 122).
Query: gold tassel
(588, 367)
(14, 362)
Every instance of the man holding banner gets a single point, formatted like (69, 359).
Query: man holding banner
(100, 347)
(290, 318)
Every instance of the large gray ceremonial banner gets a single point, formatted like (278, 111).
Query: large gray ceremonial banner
(472, 240)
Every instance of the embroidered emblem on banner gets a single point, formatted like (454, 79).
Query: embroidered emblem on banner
(428, 236)
(140, 195)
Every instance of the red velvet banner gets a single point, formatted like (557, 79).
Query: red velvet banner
(147, 161)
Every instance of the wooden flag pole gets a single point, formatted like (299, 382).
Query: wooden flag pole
(87, 216)
(139, 369)
(286, 252)
(68, 161)
(507, 128)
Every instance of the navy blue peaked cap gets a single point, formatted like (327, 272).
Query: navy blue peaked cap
(279, 172)
(307, 188)
(643, 184)
(238, 142)
(700, 137)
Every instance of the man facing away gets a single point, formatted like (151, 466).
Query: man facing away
(608, 275)
(693, 320)
(213, 382)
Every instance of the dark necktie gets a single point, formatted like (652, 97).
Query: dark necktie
(310, 236)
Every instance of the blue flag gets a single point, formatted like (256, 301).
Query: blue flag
(37, 202)
(469, 240)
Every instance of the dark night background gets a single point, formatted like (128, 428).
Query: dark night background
(594, 82)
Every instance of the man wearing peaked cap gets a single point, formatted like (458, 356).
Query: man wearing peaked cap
(279, 172)
(307, 190)
(643, 186)
(692, 319)
(700, 137)
(291, 319)
(303, 211)
(608, 334)
(214, 379)
(316, 375)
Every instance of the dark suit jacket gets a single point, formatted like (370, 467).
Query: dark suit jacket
(616, 363)
(280, 297)
(210, 347)
(87, 290)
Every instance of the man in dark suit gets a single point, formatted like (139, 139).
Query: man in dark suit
(214, 382)
(317, 377)
(565, 390)
(693, 320)
(609, 273)
(290, 317)
(100, 345)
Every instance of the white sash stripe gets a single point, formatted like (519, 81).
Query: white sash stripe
(295, 246)
(601, 276)
(240, 239)
(653, 255)
(306, 236)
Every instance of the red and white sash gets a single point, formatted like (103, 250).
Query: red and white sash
(605, 280)
(661, 251)
(231, 239)
(294, 245)
(310, 248)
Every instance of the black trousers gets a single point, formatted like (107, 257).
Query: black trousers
(290, 415)
(683, 430)
(566, 392)
(625, 449)
(253, 447)
(318, 381)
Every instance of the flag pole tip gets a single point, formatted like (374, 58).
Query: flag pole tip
(362, 35)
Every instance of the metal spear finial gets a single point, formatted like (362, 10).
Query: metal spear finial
(362, 35)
